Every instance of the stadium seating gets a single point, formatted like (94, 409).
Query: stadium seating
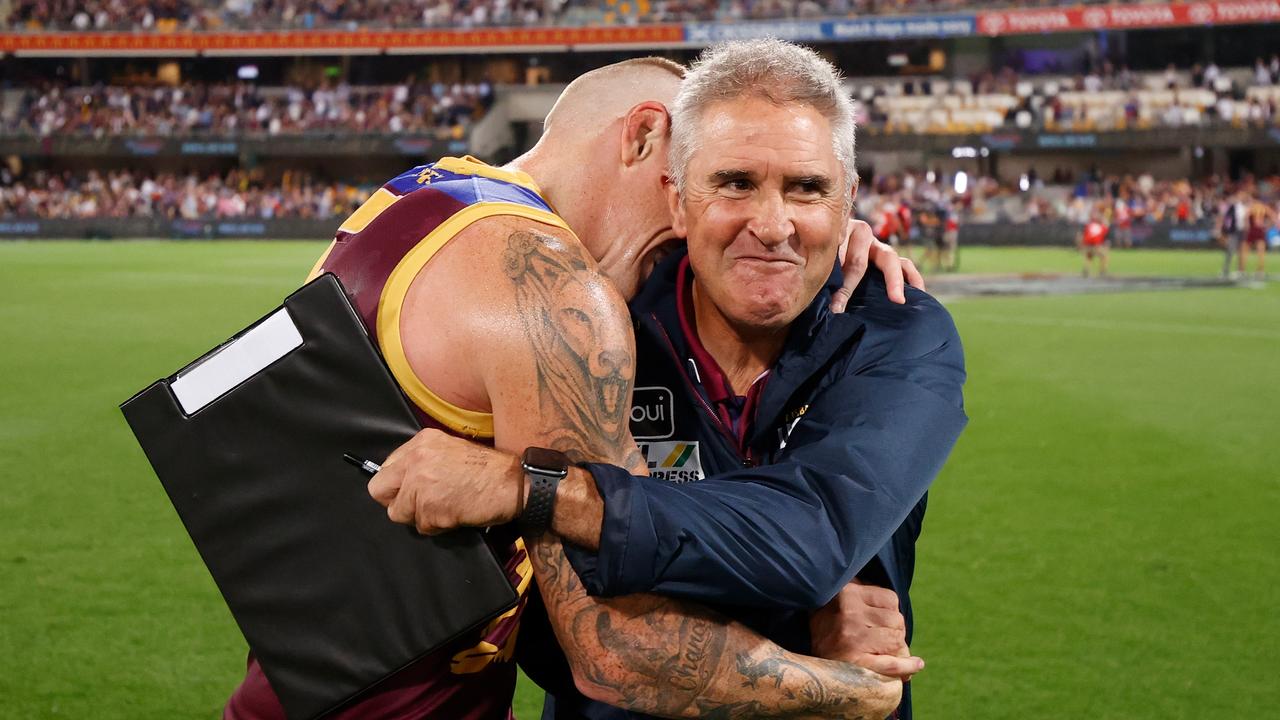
(229, 109)
(934, 105)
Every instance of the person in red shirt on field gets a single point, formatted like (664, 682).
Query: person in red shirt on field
(1093, 243)
(889, 227)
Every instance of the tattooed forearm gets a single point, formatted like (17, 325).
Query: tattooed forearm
(642, 652)
(820, 688)
(699, 643)
(673, 659)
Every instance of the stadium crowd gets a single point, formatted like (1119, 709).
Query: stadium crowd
(228, 109)
(924, 211)
(352, 14)
(1126, 199)
(125, 194)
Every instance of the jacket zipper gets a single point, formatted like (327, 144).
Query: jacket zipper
(706, 408)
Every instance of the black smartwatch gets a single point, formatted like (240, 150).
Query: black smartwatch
(545, 468)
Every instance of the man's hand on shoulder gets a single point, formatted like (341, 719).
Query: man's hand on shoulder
(862, 625)
(862, 250)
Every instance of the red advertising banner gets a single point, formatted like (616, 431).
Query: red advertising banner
(338, 41)
(1124, 17)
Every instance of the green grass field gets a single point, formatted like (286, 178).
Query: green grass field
(1102, 544)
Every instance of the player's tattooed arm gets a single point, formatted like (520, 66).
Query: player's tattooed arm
(643, 652)
(585, 359)
(674, 659)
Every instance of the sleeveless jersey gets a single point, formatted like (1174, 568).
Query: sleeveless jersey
(1257, 226)
(377, 253)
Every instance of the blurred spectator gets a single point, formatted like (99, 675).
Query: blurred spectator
(1211, 75)
(1261, 72)
(1122, 220)
(940, 232)
(1234, 218)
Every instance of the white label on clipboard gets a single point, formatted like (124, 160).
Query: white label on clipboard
(268, 341)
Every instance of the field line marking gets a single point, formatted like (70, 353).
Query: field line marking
(1186, 329)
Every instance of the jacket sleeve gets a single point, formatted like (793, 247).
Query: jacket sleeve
(792, 533)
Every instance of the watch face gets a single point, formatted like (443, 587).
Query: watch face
(549, 461)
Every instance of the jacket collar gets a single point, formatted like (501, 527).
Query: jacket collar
(817, 338)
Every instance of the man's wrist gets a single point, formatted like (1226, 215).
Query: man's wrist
(505, 482)
(545, 469)
(579, 509)
(577, 488)
(578, 513)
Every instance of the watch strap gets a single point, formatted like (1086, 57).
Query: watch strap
(540, 506)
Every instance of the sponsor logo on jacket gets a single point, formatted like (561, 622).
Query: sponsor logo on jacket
(673, 461)
(653, 413)
(789, 425)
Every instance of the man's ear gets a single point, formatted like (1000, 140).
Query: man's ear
(643, 129)
(675, 206)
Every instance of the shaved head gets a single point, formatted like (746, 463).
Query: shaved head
(601, 96)
(602, 163)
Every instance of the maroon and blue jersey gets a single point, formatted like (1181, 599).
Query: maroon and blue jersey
(376, 254)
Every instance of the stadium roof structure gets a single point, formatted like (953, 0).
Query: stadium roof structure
(989, 23)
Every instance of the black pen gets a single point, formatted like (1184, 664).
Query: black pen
(369, 466)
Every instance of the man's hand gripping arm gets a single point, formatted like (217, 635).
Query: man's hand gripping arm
(562, 379)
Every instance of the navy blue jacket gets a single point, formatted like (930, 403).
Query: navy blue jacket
(854, 422)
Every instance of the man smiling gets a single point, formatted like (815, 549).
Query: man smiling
(763, 201)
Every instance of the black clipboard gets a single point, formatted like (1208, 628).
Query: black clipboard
(331, 596)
